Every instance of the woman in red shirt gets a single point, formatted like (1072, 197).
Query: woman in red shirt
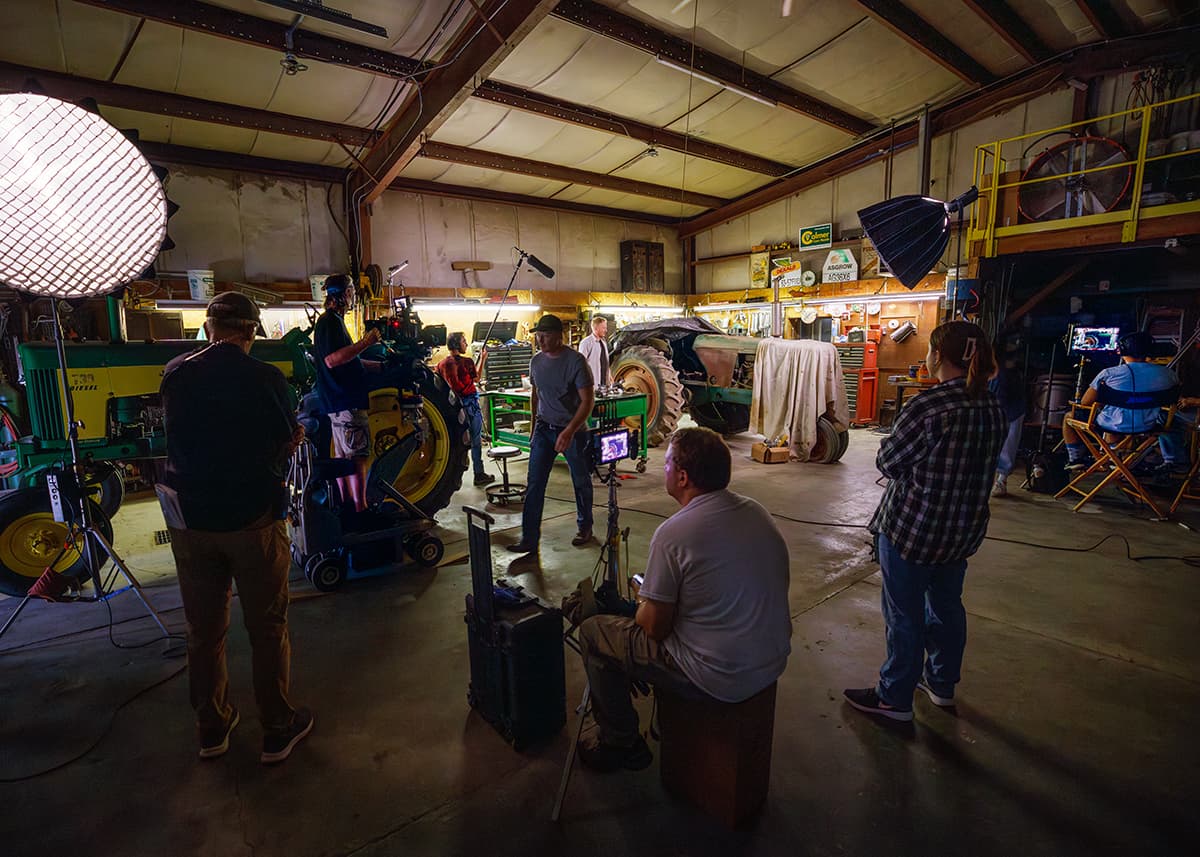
(460, 373)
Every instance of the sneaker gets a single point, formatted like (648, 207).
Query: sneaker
(521, 547)
(606, 758)
(277, 746)
(939, 701)
(582, 538)
(214, 743)
(482, 479)
(1082, 463)
(868, 701)
(1000, 486)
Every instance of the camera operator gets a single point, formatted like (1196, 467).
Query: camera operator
(562, 400)
(712, 615)
(230, 430)
(343, 386)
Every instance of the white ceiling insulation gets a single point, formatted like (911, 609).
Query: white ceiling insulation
(834, 51)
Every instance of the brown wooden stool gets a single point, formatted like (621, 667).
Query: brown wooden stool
(717, 755)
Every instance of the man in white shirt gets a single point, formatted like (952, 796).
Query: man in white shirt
(594, 348)
(712, 616)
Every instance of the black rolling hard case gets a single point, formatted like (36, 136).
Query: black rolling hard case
(518, 671)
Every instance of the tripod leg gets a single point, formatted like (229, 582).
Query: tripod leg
(134, 586)
(16, 613)
(570, 763)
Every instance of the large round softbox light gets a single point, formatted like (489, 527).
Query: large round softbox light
(910, 233)
(81, 211)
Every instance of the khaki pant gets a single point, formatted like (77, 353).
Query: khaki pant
(617, 652)
(257, 558)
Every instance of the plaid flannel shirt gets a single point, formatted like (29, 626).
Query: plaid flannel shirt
(941, 460)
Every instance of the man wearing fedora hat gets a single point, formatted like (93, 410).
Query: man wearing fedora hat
(561, 402)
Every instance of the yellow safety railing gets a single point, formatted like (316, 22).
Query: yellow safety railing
(992, 162)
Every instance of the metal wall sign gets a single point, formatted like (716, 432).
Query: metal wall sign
(819, 237)
(840, 267)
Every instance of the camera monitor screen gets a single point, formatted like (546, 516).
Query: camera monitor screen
(1095, 338)
(612, 446)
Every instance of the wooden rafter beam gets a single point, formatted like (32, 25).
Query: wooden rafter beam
(1012, 28)
(269, 35)
(588, 117)
(1045, 291)
(69, 87)
(1104, 17)
(1083, 63)
(927, 39)
(613, 25)
(476, 53)
(557, 172)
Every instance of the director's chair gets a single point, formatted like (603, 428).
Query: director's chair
(1189, 490)
(1116, 459)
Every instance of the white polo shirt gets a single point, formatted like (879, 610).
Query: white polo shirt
(724, 565)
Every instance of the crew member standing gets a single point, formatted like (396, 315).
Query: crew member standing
(941, 460)
(594, 349)
(343, 386)
(561, 403)
(223, 500)
(460, 374)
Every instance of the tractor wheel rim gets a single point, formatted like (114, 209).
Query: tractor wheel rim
(642, 380)
(428, 463)
(31, 542)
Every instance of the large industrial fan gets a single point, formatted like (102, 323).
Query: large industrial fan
(1057, 183)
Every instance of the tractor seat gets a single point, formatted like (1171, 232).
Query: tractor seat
(506, 492)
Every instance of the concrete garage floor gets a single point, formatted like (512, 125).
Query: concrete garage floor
(1075, 732)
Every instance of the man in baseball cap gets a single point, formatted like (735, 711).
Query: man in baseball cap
(561, 402)
(230, 308)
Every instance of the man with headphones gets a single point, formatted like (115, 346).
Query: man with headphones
(343, 386)
(1133, 374)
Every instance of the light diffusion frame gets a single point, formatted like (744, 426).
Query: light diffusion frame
(81, 214)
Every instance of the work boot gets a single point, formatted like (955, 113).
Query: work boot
(482, 479)
(582, 538)
(606, 758)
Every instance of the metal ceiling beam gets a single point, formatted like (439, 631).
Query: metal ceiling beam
(1083, 63)
(476, 52)
(69, 87)
(588, 117)
(1012, 28)
(611, 24)
(460, 192)
(219, 21)
(927, 39)
(165, 153)
(556, 172)
(246, 29)
(1104, 17)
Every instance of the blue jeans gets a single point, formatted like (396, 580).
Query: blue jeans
(1012, 445)
(1173, 444)
(541, 462)
(475, 424)
(926, 623)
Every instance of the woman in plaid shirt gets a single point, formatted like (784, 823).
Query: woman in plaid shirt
(940, 459)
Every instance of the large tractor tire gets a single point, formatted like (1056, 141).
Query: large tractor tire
(831, 444)
(643, 369)
(725, 418)
(435, 470)
(30, 539)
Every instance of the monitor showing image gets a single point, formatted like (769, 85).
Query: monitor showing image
(1095, 338)
(613, 446)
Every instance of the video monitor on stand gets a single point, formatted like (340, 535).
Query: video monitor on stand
(1087, 341)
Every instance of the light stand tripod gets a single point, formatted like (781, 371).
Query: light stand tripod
(73, 507)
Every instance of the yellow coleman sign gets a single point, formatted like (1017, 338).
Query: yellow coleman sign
(819, 237)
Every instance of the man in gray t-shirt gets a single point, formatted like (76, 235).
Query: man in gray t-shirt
(712, 615)
(561, 403)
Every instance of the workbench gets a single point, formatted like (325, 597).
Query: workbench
(503, 408)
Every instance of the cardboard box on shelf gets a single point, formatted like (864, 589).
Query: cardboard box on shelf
(769, 454)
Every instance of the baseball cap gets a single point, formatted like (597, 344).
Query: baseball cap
(336, 284)
(548, 324)
(234, 307)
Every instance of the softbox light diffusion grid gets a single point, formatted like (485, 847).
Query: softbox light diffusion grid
(81, 211)
(910, 233)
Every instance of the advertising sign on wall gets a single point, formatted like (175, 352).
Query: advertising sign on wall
(840, 267)
(819, 237)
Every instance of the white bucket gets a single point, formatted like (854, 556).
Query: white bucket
(317, 282)
(200, 284)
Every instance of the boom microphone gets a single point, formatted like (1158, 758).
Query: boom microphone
(537, 264)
